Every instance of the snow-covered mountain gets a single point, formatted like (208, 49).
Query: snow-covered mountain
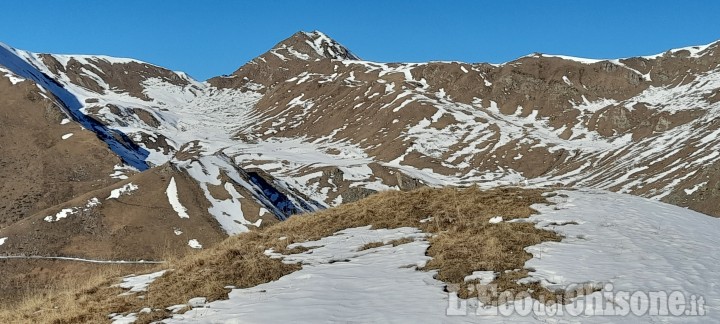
(118, 159)
(309, 125)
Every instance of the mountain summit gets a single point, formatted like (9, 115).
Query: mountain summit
(315, 45)
(288, 57)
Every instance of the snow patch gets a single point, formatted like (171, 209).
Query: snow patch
(263, 211)
(14, 78)
(139, 283)
(694, 188)
(124, 190)
(123, 319)
(64, 213)
(174, 200)
(485, 277)
(496, 219)
(195, 244)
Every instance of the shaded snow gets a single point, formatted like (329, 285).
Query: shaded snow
(29, 65)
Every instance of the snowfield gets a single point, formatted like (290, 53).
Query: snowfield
(616, 241)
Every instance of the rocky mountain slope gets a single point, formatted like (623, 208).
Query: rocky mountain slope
(116, 158)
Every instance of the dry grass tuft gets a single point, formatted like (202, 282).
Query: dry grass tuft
(371, 245)
(395, 242)
(463, 241)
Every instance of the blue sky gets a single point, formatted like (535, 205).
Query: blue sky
(209, 38)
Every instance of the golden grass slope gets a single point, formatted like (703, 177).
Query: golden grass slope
(462, 241)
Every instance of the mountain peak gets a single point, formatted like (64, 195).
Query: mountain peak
(292, 54)
(313, 46)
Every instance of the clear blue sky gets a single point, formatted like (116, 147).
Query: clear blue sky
(209, 38)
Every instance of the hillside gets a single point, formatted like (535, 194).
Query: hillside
(603, 254)
(129, 163)
(398, 254)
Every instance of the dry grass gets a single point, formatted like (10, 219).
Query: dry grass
(463, 241)
(73, 299)
(395, 242)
